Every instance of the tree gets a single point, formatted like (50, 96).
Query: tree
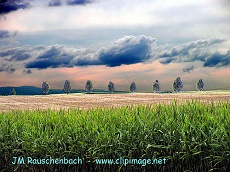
(12, 91)
(132, 87)
(45, 88)
(111, 87)
(88, 86)
(177, 85)
(67, 87)
(156, 87)
(200, 85)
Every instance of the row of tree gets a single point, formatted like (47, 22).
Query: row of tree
(176, 86)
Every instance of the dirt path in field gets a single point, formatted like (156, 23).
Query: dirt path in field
(102, 100)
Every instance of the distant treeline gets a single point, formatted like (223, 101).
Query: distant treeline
(31, 90)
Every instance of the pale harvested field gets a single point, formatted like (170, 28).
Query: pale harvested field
(103, 100)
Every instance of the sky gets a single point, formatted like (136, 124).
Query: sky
(115, 40)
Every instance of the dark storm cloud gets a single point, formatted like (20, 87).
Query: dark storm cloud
(79, 2)
(59, 56)
(7, 34)
(4, 34)
(9, 69)
(16, 54)
(167, 60)
(7, 6)
(192, 51)
(54, 57)
(125, 51)
(43, 64)
(26, 71)
(129, 50)
(54, 3)
(218, 60)
(188, 69)
(51, 53)
(188, 48)
(19, 57)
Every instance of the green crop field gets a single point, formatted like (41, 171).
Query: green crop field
(190, 136)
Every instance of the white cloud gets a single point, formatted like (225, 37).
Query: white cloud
(111, 14)
(169, 21)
